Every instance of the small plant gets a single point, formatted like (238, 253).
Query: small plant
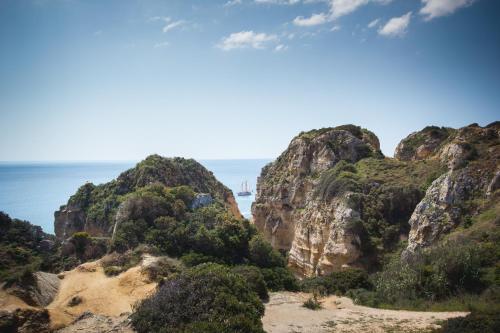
(313, 303)
(74, 301)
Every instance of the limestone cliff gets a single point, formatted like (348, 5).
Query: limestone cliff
(332, 200)
(291, 217)
(93, 209)
(472, 155)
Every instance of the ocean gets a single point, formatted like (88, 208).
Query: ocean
(33, 191)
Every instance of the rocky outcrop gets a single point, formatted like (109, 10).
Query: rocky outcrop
(40, 290)
(423, 144)
(25, 321)
(290, 215)
(93, 209)
(201, 200)
(472, 155)
(324, 238)
(332, 201)
(89, 322)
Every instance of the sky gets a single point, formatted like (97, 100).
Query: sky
(122, 79)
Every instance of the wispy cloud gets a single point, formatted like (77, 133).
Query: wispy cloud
(373, 23)
(337, 9)
(277, 2)
(280, 48)
(246, 39)
(437, 8)
(172, 25)
(232, 3)
(396, 26)
(335, 28)
(313, 20)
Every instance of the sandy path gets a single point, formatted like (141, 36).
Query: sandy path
(109, 296)
(285, 314)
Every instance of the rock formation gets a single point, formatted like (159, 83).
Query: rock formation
(472, 155)
(93, 209)
(40, 290)
(333, 201)
(289, 214)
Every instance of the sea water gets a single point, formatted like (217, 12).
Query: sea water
(33, 191)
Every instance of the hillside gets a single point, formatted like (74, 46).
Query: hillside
(95, 209)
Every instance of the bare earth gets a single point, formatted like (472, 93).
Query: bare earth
(285, 314)
(102, 295)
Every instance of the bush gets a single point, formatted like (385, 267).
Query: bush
(162, 267)
(255, 280)
(263, 255)
(280, 278)
(473, 323)
(206, 298)
(312, 303)
(337, 282)
(194, 259)
(115, 263)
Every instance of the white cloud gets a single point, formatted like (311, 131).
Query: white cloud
(396, 26)
(337, 9)
(277, 2)
(373, 23)
(161, 45)
(335, 28)
(280, 47)
(159, 18)
(231, 3)
(173, 25)
(436, 8)
(246, 39)
(340, 8)
(315, 19)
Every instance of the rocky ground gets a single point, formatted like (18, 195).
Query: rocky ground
(285, 314)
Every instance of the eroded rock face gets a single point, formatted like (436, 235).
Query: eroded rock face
(472, 155)
(423, 144)
(289, 215)
(89, 322)
(39, 291)
(25, 321)
(324, 240)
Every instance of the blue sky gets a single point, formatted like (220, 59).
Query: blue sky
(118, 80)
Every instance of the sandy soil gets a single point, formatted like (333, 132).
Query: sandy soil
(109, 296)
(10, 302)
(285, 314)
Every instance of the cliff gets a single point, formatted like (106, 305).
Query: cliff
(333, 201)
(94, 209)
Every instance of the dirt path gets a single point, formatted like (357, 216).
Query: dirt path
(285, 314)
(108, 296)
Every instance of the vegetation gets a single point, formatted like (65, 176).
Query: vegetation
(337, 282)
(312, 303)
(24, 248)
(206, 298)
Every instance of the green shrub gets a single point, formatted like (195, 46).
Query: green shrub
(206, 298)
(473, 323)
(312, 303)
(262, 254)
(337, 282)
(192, 259)
(255, 280)
(280, 278)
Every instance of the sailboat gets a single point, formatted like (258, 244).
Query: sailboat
(245, 192)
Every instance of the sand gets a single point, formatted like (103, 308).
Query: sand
(285, 314)
(108, 296)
